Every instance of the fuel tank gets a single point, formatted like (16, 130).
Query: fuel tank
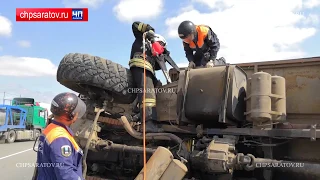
(213, 94)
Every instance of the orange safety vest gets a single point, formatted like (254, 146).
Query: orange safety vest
(53, 131)
(49, 140)
(202, 31)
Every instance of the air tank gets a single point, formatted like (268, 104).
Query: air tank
(278, 99)
(260, 97)
(175, 171)
(248, 100)
(157, 164)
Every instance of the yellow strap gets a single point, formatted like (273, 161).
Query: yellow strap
(144, 27)
(150, 102)
(139, 63)
(140, 26)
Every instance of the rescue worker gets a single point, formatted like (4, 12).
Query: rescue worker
(201, 40)
(136, 64)
(59, 156)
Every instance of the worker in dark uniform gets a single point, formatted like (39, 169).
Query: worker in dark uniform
(136, 64)
(201, 40)
(59, 156)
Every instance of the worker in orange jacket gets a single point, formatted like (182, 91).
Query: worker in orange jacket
(59, 156)
(201, 40)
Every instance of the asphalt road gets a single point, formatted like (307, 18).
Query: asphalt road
(12, 159)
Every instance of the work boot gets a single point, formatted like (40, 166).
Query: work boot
(152, 127)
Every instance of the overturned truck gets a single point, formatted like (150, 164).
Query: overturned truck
(243, 121)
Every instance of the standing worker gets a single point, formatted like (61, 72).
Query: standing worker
(136, 64)
(202, 40)
(59, 157)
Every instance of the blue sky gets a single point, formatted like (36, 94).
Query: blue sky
(248, 31)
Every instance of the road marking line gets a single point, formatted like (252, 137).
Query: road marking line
(16, 153)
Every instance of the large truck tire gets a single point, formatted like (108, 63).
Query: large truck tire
(84, 73)
(11, 136)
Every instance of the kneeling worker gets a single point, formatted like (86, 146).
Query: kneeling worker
(202, 40)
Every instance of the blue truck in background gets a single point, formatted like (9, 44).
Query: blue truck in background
(24, 119)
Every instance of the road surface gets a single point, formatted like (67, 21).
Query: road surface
(13, 157)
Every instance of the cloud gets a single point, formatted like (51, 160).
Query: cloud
(26, 66)
(47, 106)
(181, 65)
(5, 26)
(311, 3)
(24, 44)
(252, 30)
(131, 10)
(311, 19)
(16, 90)
(83, 3)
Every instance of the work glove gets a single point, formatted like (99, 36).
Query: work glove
(210, 63)
(191, 65)
(150, 35)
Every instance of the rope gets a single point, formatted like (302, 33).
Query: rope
(144, 110)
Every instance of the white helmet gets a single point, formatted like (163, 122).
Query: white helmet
(161, 40)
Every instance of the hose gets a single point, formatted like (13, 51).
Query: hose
(84, 172)
(144, 109)
(156, 136)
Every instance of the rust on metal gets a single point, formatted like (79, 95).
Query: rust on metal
(167, 103)
(302, 78)
(112, 121)
(280, 62)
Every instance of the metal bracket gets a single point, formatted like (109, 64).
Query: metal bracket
(313, 132)
(222, 113)
(185, 89)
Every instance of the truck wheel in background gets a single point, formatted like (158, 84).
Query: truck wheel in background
(11, 136)
(100, 75)
(36, 133)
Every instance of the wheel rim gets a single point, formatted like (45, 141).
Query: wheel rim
(11, 136)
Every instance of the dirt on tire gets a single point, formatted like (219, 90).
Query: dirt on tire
(77, 70)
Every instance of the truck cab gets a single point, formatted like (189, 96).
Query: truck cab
(24, 119)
